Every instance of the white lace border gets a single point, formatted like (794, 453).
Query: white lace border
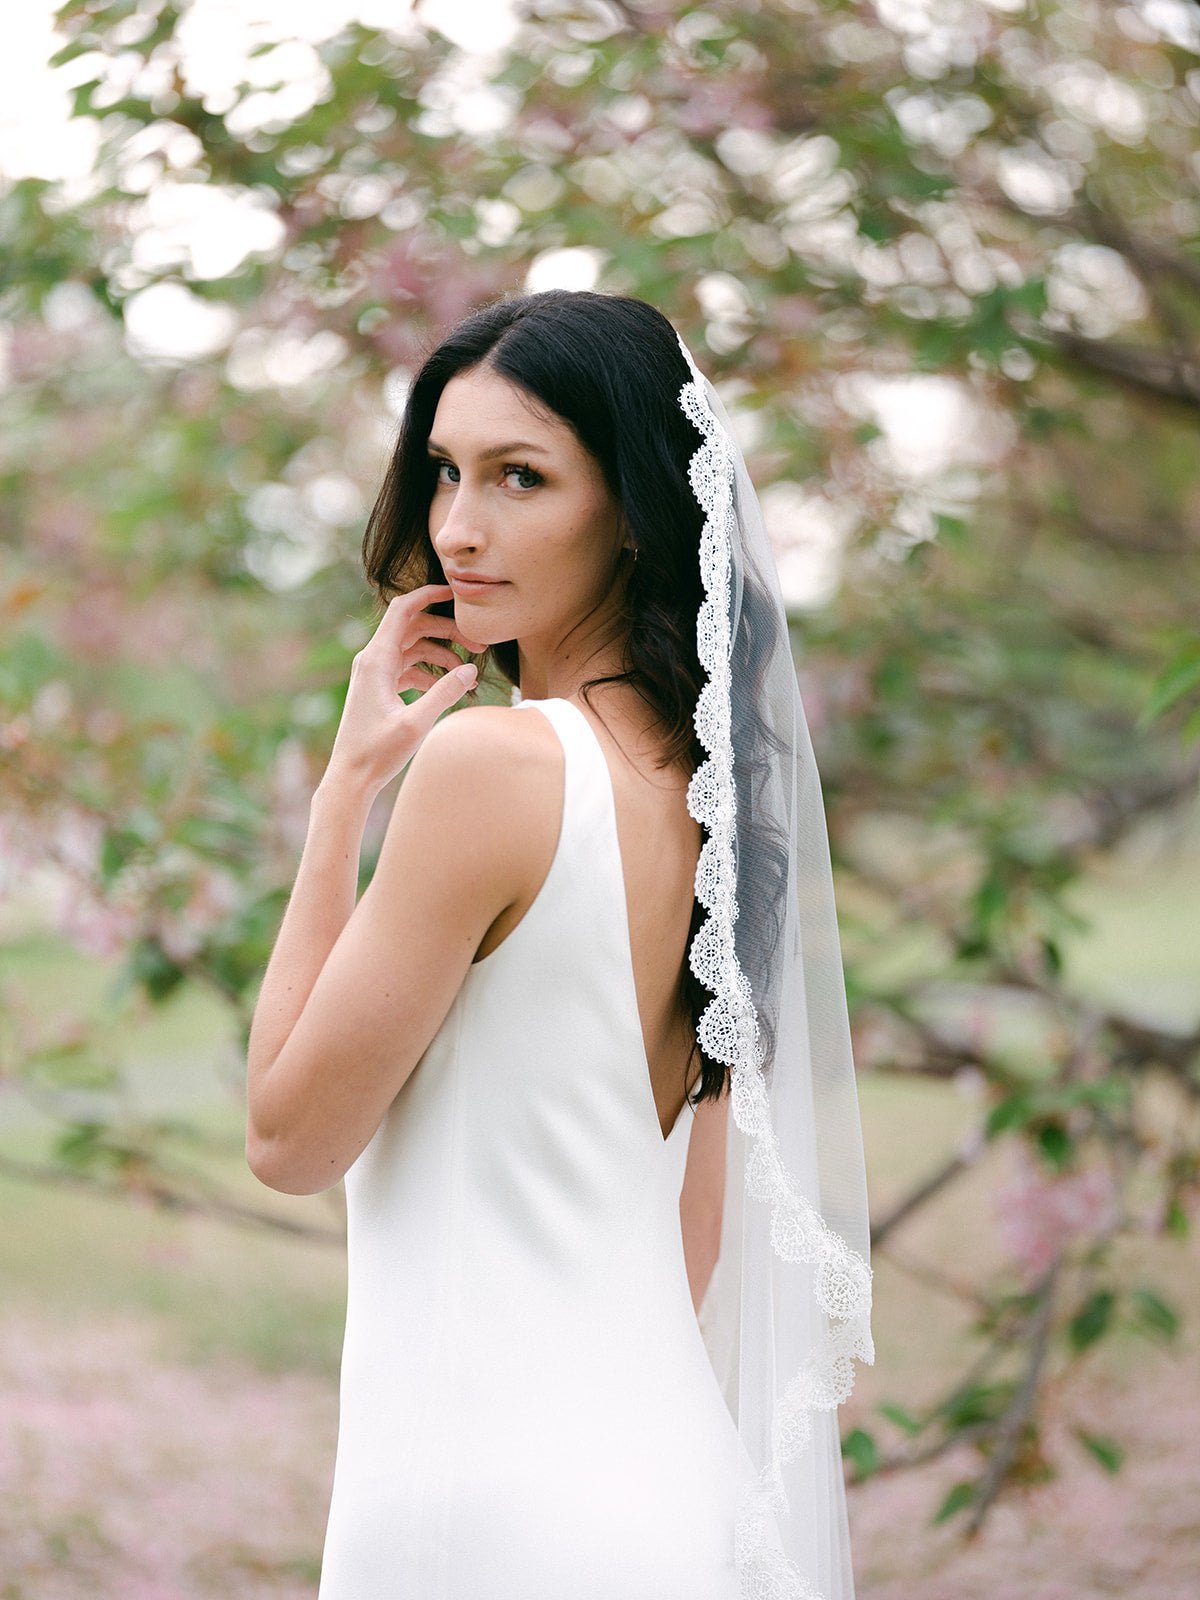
(729, 1032)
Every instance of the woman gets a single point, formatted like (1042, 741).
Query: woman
(516, 1048)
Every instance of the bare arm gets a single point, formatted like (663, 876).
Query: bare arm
(702, 1198)
(319, 907)
(354, 994)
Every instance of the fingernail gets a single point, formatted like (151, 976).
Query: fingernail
(469, 673)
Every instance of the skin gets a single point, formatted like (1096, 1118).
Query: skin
(354, 994)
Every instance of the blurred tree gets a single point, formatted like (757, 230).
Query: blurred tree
(852, 215)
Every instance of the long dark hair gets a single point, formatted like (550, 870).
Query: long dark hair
(611, 367)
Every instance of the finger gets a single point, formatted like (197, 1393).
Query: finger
(419, 676)
(414, 678)
(440, 695)
(443, 627)
(438, 654)
(404, 624)
(405, 607)
(448, 628)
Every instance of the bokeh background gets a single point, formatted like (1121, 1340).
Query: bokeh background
(943, 259)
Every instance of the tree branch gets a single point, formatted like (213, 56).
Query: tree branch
(165, 1198)
(1011, 1426)
(917, 1197)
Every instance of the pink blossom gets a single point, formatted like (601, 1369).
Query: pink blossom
(713, 106)
(105, 725)
(62, 527)
(123, 1475)
(292, 785)
(796, 313)
(100, 927)
(1039, 1213)
(17, 854)
(214, 895)
(94, 624)
(15, 732)
(78, 837)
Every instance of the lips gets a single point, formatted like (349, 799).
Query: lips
(473, 588)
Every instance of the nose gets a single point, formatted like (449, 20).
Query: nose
(462, 528)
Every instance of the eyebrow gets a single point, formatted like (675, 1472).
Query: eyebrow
(495, 450)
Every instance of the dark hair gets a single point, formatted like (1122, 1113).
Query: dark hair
(611, 367)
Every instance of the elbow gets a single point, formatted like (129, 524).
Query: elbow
(263, 1161)
(276, 1168)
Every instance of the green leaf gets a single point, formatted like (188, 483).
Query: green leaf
(893, 676)
(1013, 1111)
(1153, 1315)
(1107, 1451)
(990, 898)
(79, 1143)
(81, 97)
(154, 969)
(1092, 1319)
(1030, 296)
(902, 1418)
(1055, 1145)
(859, 1446)
(960, 1496)
(951, 530)
(978, 1402)
(1179, 678)
(84, 1145)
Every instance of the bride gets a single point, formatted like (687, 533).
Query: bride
(597, 1328)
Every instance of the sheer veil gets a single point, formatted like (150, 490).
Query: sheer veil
(788, 1308)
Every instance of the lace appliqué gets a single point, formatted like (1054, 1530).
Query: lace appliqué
(728, 1031)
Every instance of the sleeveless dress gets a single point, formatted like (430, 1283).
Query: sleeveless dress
(527, 1407)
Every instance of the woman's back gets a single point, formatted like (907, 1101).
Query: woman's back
(527, 1406)
(658, 844)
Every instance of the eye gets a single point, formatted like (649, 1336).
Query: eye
(528, 472)
(438, 464)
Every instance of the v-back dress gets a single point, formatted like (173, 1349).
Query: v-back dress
(527, 1407)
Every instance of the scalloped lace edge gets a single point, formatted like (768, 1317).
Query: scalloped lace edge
(729, 1032)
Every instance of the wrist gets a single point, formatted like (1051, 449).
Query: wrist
(343, 790)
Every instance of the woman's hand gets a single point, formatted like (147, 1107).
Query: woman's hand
(378, 734)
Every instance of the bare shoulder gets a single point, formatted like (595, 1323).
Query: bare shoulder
(487, 748)
(491, 726)
(492, 778)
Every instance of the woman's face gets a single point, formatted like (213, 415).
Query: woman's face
(519, 501)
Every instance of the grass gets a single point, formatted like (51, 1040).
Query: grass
(212, 1289)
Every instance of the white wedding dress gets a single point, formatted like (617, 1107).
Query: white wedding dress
(528, 1409)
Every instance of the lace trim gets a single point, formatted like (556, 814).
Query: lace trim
(729, 1032)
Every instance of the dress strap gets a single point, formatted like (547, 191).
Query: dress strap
(589, 808)
(577, 840)
(589, 830)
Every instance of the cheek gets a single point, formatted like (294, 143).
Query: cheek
(564, 542)
(592, 537)
(570, 548)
